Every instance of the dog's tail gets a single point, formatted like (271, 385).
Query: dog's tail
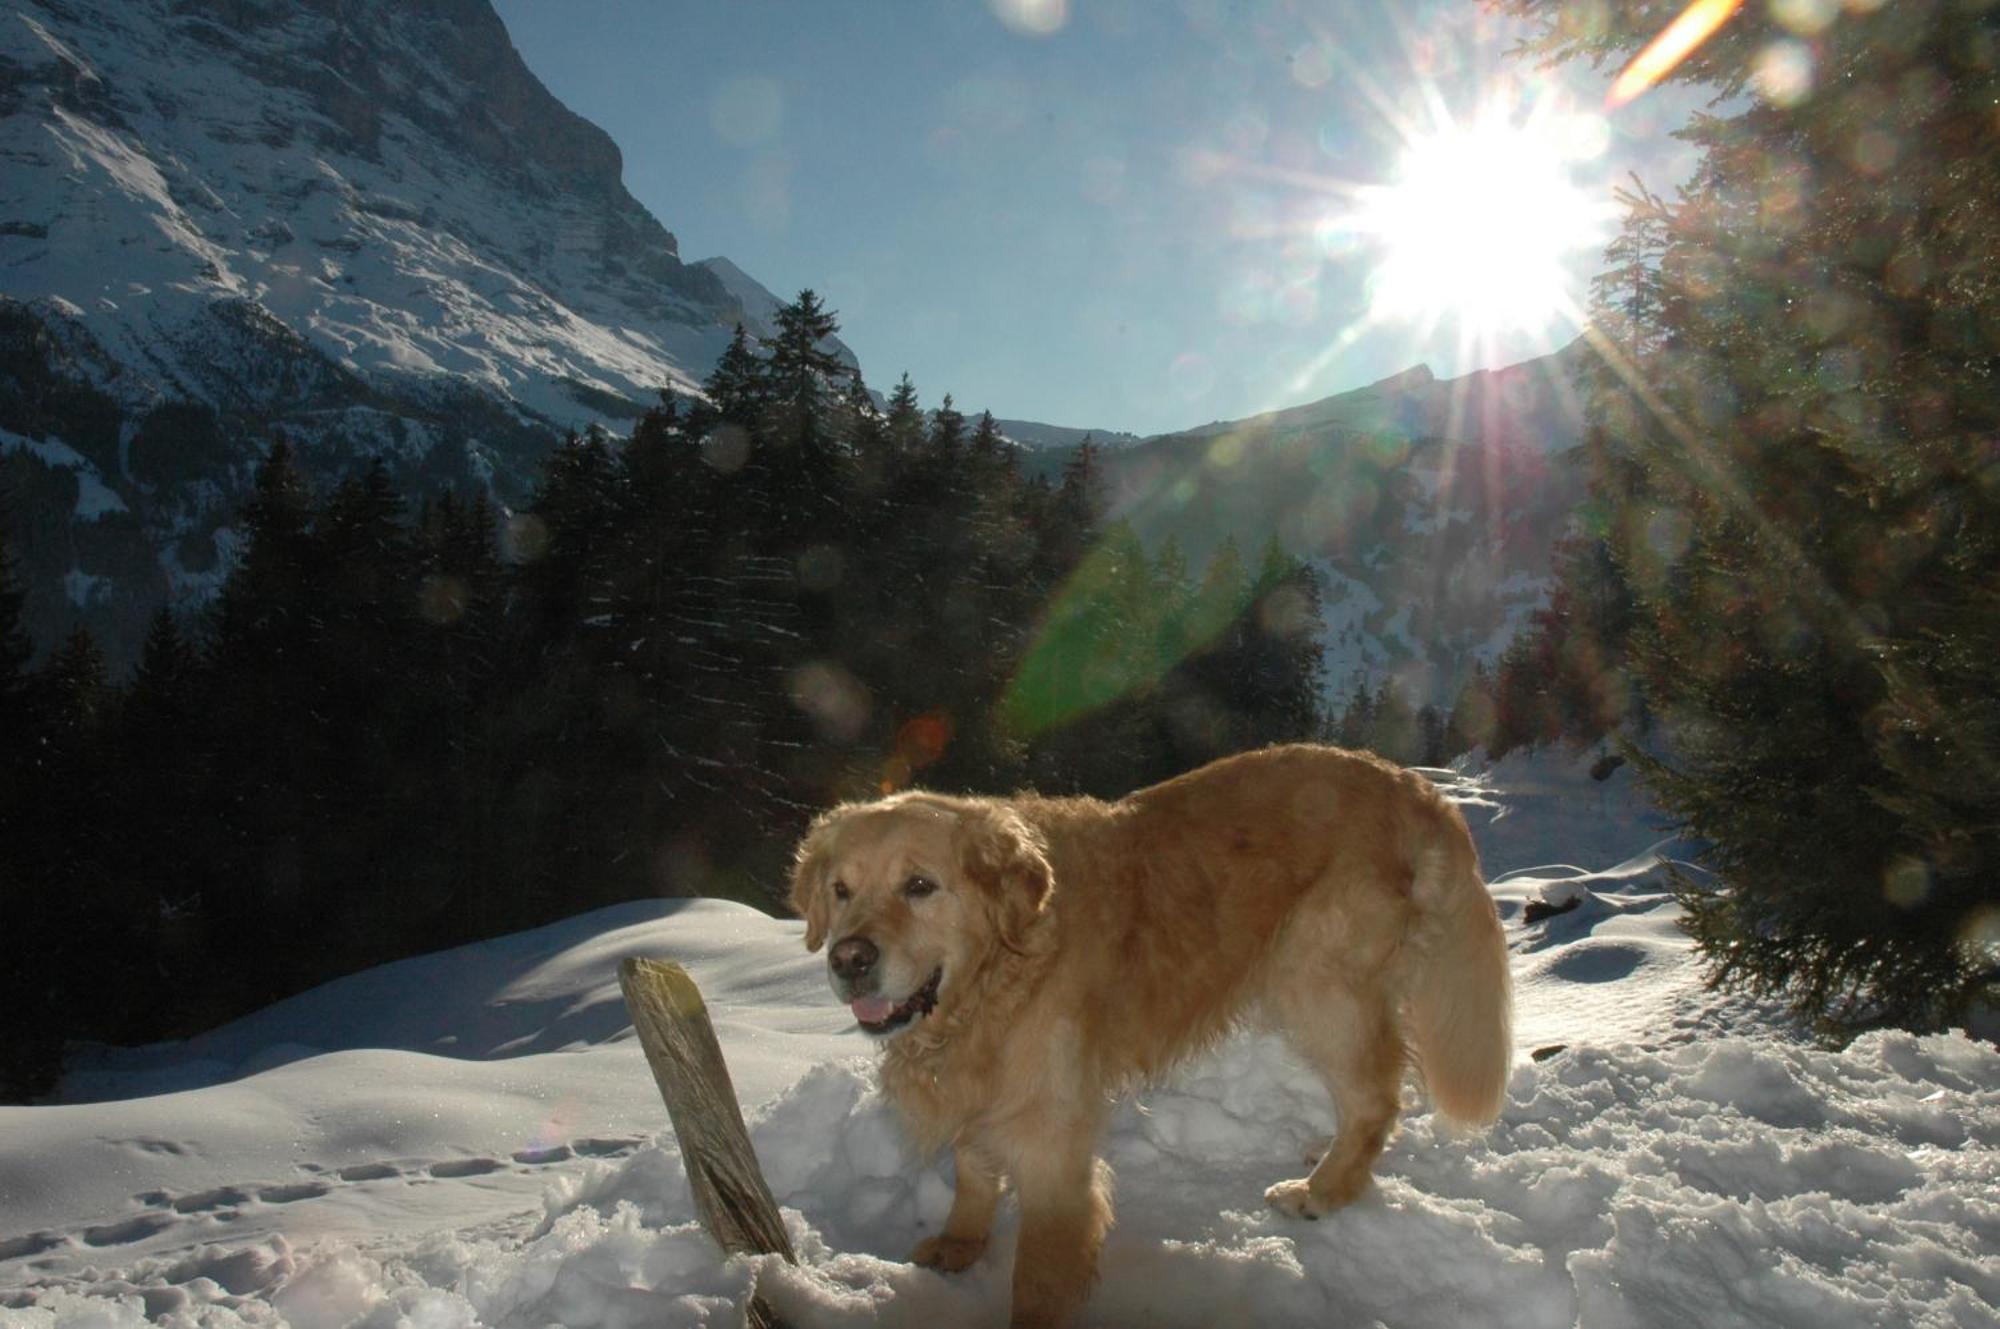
(1458, 993)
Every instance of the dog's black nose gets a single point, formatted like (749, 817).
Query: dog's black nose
(853, 957)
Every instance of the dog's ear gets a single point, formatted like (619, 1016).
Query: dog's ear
(1001, 855)
(810, 897)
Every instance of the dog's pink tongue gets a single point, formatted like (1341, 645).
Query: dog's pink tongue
(871, 1010)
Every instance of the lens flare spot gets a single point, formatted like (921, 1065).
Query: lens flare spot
(1191, 376)
(747, 111)
(1808, 18)
(1783, 74)
(1907, 883)
(835, 699)
(1312, 64)
(920, 742)
(1032, 18)
(1875, 151)
(527, 537)
(1981, 928)
(443, 598)
(1676, 42)
(726, 448)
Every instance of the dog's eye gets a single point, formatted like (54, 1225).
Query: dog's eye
(840, 891)
(916, 888)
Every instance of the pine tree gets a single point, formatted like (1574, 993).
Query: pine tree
(163, 853)
(255, 611)
(904, 417)
(75, 840)
(736, 386)
(15, 647)
(1787, 452)
(799, 373)
(867, 433)
(31, 1030)
(1070, 527)
(797, 475)
(269, 755)
(1287, 662)
(19, 726)
(1393, 730)
(1470, 723)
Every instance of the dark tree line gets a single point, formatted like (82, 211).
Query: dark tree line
(1789, 579)
(403, 725)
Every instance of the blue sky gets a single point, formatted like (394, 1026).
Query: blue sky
(1101, 213)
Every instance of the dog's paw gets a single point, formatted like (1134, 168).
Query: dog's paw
(1294, 1198)
(948, 1254)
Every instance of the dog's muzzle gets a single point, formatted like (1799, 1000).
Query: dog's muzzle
(879, 1015)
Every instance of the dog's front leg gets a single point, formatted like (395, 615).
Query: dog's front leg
(971, 1219)
(1065, 1212)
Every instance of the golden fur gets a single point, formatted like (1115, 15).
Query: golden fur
(1087, 946)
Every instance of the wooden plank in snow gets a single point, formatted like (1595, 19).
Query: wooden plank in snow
(730, 1193)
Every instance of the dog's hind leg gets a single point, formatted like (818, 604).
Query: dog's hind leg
(1352, 1040)
(970, 1222)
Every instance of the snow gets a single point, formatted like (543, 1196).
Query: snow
(93, 497)
(473, 1138)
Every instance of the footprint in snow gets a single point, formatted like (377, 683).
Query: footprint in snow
(222, 1204)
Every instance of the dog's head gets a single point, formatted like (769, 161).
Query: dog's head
(916, 893)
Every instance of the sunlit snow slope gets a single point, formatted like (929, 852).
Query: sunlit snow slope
(472, 1138)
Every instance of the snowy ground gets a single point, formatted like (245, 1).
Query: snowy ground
(473, 1138)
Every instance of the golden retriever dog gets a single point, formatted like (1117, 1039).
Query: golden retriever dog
(1027, 959)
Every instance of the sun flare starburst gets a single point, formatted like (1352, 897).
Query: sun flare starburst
(1481, 223)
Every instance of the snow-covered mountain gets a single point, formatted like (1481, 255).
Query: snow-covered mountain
(363, 223)
(473, 1138)
(1430, 505)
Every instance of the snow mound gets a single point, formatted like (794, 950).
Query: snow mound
(472, 1138)
(1735, 1183)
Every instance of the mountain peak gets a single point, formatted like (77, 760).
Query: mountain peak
(1410, 380)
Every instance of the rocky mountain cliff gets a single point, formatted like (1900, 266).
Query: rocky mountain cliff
(363, 224)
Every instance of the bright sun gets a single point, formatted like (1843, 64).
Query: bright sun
(1481, 224)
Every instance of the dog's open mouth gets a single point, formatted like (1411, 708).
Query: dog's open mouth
(879, 1015)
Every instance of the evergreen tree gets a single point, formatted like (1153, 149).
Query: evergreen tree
(1430, 736)
(904, 417)
(736, 386)
(163, 850)
(75, 841)
(1287, 663)
(1788, 452)
(796, 478)
(31, 1024)
(1356, 728)
(1470, 723)
(1069, 527)
(15, 648)
(1393, 729)
(947, 434)
(867, 434)
(799, 372)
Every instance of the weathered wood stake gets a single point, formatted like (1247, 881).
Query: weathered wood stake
(730, 1193)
